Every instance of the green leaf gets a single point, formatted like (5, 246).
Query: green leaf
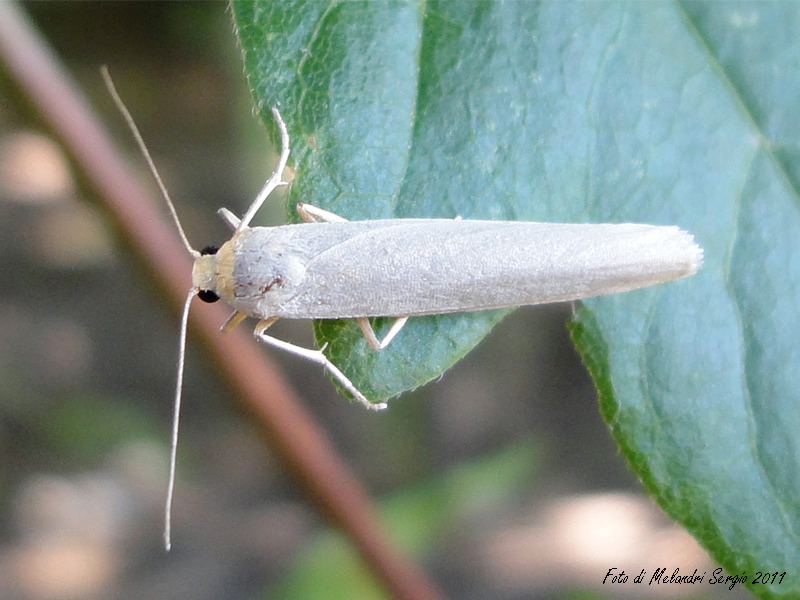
(663, 113)
(376, 135)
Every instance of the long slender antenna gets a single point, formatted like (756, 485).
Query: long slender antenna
(173, 448)
(140, 141)
(274, 180)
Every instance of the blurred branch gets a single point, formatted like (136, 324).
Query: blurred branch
(44, 85)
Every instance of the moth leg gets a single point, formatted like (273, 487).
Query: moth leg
(372, 339)
(231, 219)
(274, 180)
(232, 321)
(312, 214)
(316, 356)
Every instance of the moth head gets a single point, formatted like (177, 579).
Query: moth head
(204, 274)
(212, 274)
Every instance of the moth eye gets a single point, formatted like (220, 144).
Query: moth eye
(207, 296)
(208, 250)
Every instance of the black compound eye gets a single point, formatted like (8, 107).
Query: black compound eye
(209, 250)
(207, 296)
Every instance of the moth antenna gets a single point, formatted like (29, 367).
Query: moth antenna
(274, 180)
(173, 447)
(143, 148)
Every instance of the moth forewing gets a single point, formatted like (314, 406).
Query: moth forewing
(412, 267)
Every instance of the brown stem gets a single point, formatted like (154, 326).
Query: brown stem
(292, 434)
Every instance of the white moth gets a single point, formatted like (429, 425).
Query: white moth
(331, 268)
